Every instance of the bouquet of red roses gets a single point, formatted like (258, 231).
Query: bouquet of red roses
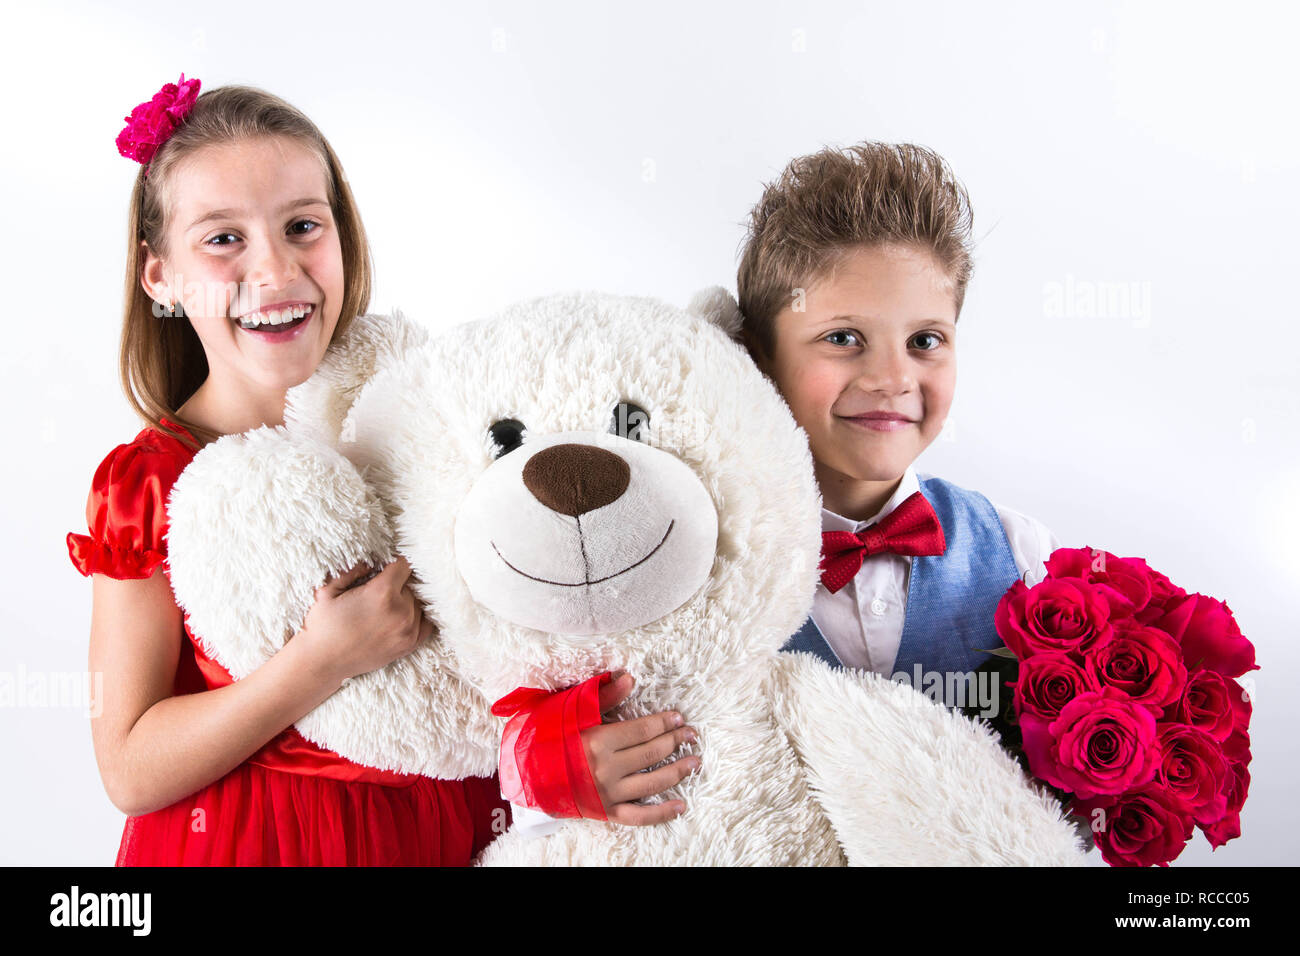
(1126, 701)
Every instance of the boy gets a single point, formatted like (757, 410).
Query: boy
(851, 280)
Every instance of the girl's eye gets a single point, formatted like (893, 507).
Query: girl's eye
(922, 338)
(310, 224)
(212, 241)
(843, 337)
(630, 421)
(505, 436)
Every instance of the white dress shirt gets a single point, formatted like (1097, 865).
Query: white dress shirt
(863, 621)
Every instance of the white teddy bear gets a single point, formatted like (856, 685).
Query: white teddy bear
(581, 484)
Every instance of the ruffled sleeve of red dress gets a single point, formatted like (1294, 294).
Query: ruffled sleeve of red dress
(126, 511)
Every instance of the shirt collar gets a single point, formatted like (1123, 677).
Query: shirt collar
(908, 485)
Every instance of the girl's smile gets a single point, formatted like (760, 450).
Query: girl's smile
(277, 323)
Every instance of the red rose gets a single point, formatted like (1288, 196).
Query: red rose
(1205, 704)
(1237, 746)
(1101, 743)
(1143, 662)
(1047, 682)
(1066, 616)
(1194, 770)
(1165, 595)
(1212, 640)
(1146, 828)
(1228, 827)
(1124, 582)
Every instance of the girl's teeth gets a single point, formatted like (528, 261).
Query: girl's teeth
(274, 316)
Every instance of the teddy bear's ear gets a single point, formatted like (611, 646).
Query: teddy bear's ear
(718, 306)
(319, 405)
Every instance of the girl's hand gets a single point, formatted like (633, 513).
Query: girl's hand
(617, 753)
(357, 626)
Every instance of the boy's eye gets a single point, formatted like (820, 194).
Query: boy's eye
(843, 337)
(927, 341)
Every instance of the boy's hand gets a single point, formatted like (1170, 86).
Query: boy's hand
(617, 753)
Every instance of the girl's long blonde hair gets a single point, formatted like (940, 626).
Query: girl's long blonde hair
(162, 360)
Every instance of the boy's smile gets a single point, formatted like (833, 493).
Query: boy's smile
(868, 368)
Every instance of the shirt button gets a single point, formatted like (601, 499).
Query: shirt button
(878, 607)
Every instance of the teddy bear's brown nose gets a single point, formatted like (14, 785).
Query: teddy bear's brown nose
(573, 479)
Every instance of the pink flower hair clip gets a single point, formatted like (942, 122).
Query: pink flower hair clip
(151, 123)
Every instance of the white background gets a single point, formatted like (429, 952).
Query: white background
(511, 150)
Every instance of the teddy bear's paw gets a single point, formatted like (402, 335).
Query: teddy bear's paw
(258, 522)
(319, 406)
(907, 782)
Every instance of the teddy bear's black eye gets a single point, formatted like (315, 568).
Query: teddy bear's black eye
(630, 421)
(506, 436)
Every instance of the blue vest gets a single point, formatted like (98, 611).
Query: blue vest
(948, 624)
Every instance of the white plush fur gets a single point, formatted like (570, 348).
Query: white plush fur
(318, 406)
(891, 763)
(800, 765)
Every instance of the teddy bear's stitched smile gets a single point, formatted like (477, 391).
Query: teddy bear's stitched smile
(564, 584)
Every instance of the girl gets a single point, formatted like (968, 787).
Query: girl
(246, 259)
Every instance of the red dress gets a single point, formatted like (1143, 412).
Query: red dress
(292, 802)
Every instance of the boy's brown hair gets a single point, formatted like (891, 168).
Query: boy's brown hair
(826, 204)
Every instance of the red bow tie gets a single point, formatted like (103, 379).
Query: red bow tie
(911, 529)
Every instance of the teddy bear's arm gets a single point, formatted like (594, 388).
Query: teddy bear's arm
(259, 521)
(905, 781)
